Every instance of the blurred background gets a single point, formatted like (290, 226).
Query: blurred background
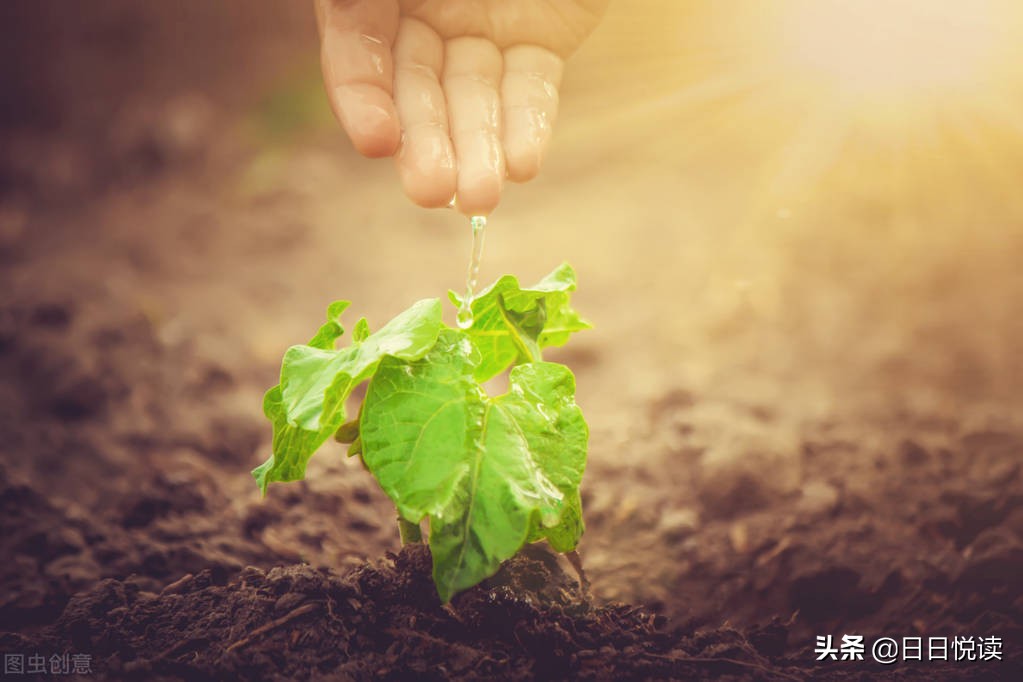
(834, 184)
(797, 226)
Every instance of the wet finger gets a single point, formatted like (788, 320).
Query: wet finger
(358, 71)
(471, 81)
(529, 92)
(426, 158)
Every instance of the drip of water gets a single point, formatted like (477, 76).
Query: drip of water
(479, 226)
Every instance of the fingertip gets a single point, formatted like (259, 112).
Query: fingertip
(480, 197)
(378, 144)
(368, 115)
(433, 191)
(527, 134)
(523, 163)
(529, 90)
(426, 165)
(429, 201)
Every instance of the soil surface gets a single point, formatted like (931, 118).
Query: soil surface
(802, 424)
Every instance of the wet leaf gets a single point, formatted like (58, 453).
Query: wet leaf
(489, 473)
(309, 403)
(512, 325)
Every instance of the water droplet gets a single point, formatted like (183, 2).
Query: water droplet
(479, 226)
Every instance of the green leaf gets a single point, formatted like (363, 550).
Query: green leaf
(511, 324)
(489, 473)
(331, 329)
(361, 331)
(564, 536)
(309, 403)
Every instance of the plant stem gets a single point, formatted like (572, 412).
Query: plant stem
(409, 531)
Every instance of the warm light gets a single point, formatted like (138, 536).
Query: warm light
(893, 46)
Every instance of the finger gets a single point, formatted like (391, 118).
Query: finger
(529, 93)
(472, 74)
(426, 158)
(357, 70)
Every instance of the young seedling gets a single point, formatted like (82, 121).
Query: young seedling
(490, 474)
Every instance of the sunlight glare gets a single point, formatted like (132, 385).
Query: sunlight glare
(893, 46)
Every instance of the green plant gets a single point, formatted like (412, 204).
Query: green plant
(489, 473)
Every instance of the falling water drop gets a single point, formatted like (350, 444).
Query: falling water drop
(479, 226)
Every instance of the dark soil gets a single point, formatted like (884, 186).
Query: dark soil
(297, 622)
(839, 452)
(385, 622)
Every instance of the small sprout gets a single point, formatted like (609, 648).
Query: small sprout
(487, 473)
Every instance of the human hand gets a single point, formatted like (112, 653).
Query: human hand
(463, 93)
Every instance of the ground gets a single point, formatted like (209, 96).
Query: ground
(804, 408)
